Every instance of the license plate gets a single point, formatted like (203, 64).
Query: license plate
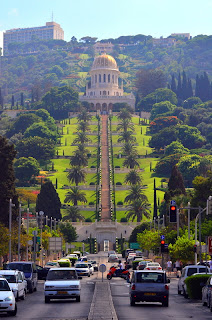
(62, 292)
(149, 294)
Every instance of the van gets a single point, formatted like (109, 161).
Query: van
(187, 272)
(30, 271)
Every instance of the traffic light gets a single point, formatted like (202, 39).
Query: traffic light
(173, 213)
(195, 248)
(162, 245)
(209, 205)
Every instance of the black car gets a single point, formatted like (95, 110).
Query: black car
(42, 272)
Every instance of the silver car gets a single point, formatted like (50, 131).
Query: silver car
(7, 298)
(150, 286)
(17, 282)
(62, 283)
(206, 293)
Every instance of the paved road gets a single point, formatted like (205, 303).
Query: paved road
(34, 308)
(179, 307)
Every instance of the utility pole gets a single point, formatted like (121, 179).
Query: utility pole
(189, 218)
(19, 232)
(27, 250)
(10, 227)
(41, 213)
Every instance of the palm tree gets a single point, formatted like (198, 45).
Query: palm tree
(75, 195)
(79, 159)
(81, 138)
(133, 177)
(83, 126)
(84, 115)
(81, 148)
(124, 114)
(131, 161)
(125, 125)
(129, 148)
(76, 175)
(137, 209)
(135, 192)
(126, 137)
(73, 213)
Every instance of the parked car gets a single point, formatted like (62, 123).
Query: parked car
(149, 286)
(91, 269)
(187, 272)
(17, 282)
(82, 269)
(62, 283)
(113, 258)
(94, 264)
(8, 303)
(51, 264)
(206, 293)
(42, 272)
(153, 266)
(30, 272)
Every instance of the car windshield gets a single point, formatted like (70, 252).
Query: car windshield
(25, 267)
(51, 263)
(10, 278)
(150, 277)
(4, 286)
(81, 265)
(61, 275)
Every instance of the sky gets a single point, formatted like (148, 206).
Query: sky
(111, 18)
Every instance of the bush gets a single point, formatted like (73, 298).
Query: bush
(92, 184)
(89, 155)
(194, 285)
(123, 219)
(117, 167)
(88, 220)
(91, 203)
(93, 166)
(118, 183)
(120, 203)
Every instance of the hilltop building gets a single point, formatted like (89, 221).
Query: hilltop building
(51, 30)
(100, 47)
(104, 89)
(182, 35)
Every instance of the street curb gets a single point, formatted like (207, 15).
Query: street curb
(96, 304)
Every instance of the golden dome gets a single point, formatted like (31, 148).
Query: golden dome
(104, 61)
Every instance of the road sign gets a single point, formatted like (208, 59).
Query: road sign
(210, 245)
(173, 203)
(38, 240)
(55, 244)
(134, 245)
(102, 268)
(30, 242)
(34, 232)
(162, 237)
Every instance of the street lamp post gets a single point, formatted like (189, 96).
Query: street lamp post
(41, 213)
(10, 228)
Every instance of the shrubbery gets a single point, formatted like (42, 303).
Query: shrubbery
(194, 285)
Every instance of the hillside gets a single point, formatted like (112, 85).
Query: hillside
(50, 63)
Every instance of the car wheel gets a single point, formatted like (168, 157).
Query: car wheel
(178, 291)
(31, 289)
(208, 303)
(211, 307)
(47, 299)
(165, 303)
(17, 297)
(78, 299)
(35, 288)
(185, 294)
(132, 302)
(13, 313)
(23, 296)
(109, 277)
(89, 275)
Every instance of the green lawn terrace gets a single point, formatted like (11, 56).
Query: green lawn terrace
(147, 164)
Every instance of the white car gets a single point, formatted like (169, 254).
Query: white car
(187, 272)
(153, 266)
(62, 283)
(82, 269)
(17, 282)
(91, 268)
(7, 298)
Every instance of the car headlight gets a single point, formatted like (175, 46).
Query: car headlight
(74, 287)
(10, 298)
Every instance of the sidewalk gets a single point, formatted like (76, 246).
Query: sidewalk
(102, 305)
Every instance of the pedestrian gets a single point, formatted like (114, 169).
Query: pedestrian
(210, 265)
(178, 267)
(120, 265)
(169, 267)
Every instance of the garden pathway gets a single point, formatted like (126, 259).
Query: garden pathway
(105, 172)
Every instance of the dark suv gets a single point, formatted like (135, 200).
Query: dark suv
(30, 271)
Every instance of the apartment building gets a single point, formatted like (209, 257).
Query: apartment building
(51, 30)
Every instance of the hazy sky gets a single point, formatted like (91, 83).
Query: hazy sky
(111, 18)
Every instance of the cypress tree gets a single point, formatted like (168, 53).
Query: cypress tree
(197, 88)
(155, 210)
(189, 89)
(184, 86)
(22, 99)
(176, 184)
(179, 87)
(12, 101)
(173, 84)
(48, 201)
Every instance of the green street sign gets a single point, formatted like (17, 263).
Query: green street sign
(38, 240)
(134, 245)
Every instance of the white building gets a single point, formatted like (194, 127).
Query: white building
(104, 88)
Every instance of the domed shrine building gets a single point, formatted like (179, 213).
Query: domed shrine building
(104, 89)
